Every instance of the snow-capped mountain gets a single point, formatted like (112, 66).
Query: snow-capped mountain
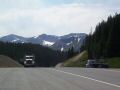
(65, 42)
(45, 40)
(62, 43)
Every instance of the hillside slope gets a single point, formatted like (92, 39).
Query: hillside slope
(81, 59)
(8, 62)
(76, 61)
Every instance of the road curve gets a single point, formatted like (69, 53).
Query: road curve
(59, 79)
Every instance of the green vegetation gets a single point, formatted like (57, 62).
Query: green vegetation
(44, 57)
(81, 59)
(104, 42)
(77, 61)
(113, 62)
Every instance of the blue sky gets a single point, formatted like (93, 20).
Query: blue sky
(56, 17)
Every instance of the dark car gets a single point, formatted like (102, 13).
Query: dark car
(103, 65)
(94, 64)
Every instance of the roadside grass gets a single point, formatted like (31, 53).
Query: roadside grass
(113, 62)
(81, 59)
(77, 61)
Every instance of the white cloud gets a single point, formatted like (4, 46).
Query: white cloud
(59, 20)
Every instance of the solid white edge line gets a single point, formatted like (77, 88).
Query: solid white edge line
(87, 78)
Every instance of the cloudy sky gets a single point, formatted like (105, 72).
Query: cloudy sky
(55, 17)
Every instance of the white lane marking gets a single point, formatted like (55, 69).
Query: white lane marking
(88, 78)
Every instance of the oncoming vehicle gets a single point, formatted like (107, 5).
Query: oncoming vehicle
(29, 60)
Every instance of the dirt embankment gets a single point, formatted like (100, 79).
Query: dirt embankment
(8, 62)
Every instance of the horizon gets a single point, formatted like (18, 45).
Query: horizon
(32, 18)
(41, 34)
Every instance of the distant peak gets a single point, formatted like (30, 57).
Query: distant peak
(14, 35)
(11, 35)
(43, 34)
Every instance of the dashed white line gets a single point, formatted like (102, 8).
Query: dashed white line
(87, 78)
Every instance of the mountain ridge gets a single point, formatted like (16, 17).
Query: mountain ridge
(52, 41)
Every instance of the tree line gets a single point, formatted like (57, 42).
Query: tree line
(44, 57)
(104, 42)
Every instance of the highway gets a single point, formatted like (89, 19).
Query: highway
(59, 79)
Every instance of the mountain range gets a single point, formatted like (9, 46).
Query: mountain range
(62, 43)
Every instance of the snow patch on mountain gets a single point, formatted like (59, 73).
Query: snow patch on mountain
(79, 39)
(23, 42)
(62, 49)
(17, 39)
(69, 43)
(47, 43)
(35, 37)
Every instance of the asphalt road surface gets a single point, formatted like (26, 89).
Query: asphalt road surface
(59, 79)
